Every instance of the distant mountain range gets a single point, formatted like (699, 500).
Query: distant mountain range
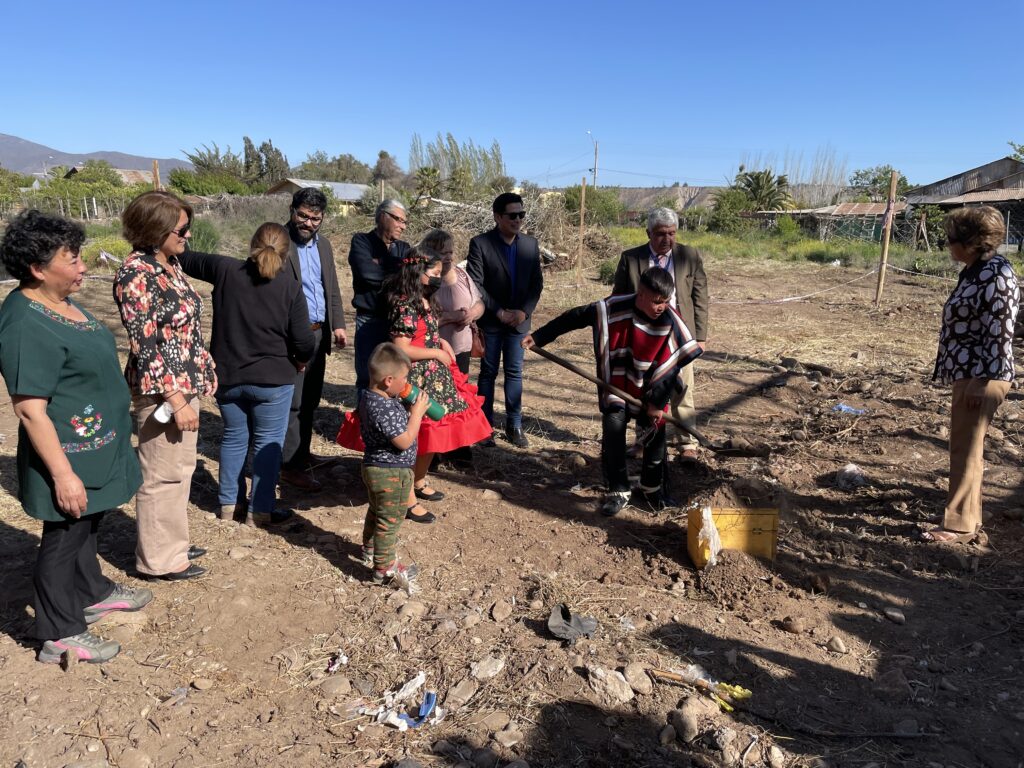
(28, 157)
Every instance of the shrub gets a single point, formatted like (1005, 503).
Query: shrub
(205, 237)
(606, 270)
(788, 229)
(695, 219)
(115, 245)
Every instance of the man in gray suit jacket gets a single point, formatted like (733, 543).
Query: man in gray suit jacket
(691, 295)
(505, 265)
(311, 260)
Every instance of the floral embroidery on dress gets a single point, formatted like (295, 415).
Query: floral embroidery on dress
(89, 324)
(89, 424)
(91, 445)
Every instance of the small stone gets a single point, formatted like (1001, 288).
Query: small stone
(336, 686)
(776, 757)
(794, 625)
(443, 747)
(413, 609)
(895, 615)
(509, 737)
(799, 435)
(638, 679)
(491, 495)
(906, 727)
(609, 684)
(238, 553)
(408, 762)
(487, 668)
(722, 737)
(730, 756)
(667, 735)
(536, 605)
(202, 683)
(891, 685)
(836, 644)
(31, 698)
(460, 695)
(946, 685)
(577, 461)
(500, 611)
(471, 620)
(685, 723)
(92, 746)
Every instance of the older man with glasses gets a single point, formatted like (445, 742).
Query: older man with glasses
(311, 260)
(373, 256)
(505, 265)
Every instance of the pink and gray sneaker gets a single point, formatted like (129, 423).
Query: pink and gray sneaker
(88, 647)
(400, 574)
(121, 599)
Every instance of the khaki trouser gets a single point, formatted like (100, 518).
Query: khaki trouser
(966, 453)
(686, 410)
(168, 459)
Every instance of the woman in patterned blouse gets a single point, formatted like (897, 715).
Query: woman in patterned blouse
(168, 367)
(975, 356)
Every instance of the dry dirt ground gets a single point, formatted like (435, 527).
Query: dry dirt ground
(230, 670)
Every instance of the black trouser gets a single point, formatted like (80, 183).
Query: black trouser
(613, 452)
(462, 361)
(309, 386)
(67, 578)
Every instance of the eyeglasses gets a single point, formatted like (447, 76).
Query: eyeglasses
(314, 219)
(399, 219)
(183, 232)
(516, 215)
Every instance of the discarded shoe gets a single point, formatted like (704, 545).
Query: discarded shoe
(566, 625)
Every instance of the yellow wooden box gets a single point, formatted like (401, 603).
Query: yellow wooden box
(754, 531)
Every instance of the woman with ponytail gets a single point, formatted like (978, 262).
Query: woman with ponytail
(261, 336)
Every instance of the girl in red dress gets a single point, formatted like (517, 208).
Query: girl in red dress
(414, 330)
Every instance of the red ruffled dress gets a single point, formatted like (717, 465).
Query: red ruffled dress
(464, 422)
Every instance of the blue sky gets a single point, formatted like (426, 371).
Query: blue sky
(672, 91)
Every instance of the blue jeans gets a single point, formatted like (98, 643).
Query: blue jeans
(370, 331)
(256, 414)
(502, 345)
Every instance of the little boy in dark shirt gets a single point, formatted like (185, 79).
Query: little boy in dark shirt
(389, 434)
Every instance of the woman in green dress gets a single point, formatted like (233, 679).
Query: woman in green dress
(75, 458)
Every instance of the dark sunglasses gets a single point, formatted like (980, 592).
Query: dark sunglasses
(515, 215)
(183, 231)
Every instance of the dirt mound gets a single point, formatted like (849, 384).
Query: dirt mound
(735, 578)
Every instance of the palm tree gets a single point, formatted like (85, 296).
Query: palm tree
(765, 190)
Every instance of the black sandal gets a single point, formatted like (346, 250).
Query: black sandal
(426, 517)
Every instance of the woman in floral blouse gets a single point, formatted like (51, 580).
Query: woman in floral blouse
(414, 331)
(975, 356)
(168, 368)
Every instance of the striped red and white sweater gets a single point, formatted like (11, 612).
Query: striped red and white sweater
(639, 355)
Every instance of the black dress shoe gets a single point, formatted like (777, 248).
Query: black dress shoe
(516, 437)
(424, 496)
(192, 572)
(488, 442)
(613, 504)
(426, 517)
(194, 552)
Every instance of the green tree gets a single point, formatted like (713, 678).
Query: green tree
(273, 164)
(206, 183)
(1018, 150)
(729, 204)
(252, 167)
(428, 181)
(466, 167)
(386, 168)
(98, 172)
(346, 168)
(602, 204)
(765, 191)
(872, 184)
(210, 160)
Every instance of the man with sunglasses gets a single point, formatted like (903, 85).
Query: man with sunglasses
(373, 256)
(311, 259)
(505, 265)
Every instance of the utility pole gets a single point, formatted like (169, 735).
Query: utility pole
(890, 212)
(594, 169)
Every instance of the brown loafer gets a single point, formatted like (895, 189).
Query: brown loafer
(301, 480)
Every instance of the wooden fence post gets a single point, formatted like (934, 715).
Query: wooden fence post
(890, 213)
(583, 209)
(156, 176)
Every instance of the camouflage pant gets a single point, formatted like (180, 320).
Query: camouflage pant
(388, 489)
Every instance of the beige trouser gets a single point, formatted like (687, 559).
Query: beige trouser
(966, 453)
(168, 459)
(686, 410)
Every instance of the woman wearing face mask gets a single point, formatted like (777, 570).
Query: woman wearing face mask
(414, 330)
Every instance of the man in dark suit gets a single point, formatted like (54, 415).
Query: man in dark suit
(311, 260)
(505, 265)
(691, 294)
(373, 256)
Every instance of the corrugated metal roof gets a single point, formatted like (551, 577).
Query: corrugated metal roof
(348, 193)
(1003, 173)
(863, 209)
(989, 196)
